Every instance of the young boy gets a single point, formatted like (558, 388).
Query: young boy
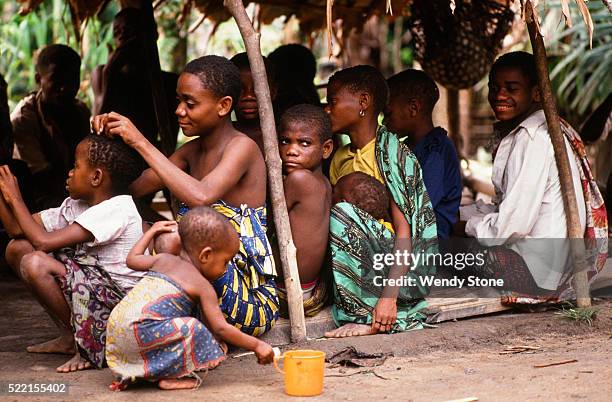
(413, 95)
(223, 168)
(247, 112)
(366, 193)
(528, 202)
(153, 333)
(48, 124)
(91, 234)
(304, 142)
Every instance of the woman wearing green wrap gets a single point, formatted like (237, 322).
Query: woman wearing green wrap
(366, 255)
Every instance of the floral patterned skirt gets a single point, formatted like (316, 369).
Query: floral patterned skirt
(91, 295)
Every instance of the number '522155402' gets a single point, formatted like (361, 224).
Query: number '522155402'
(33, 388)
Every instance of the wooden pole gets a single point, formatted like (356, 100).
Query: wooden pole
(570, 205)
(396, 50)
(383, 32)
(454, 125)
(273, 162)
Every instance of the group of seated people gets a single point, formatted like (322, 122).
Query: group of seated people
(160, 303)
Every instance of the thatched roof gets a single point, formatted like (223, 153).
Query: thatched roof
(314, 15)
(310, 13)
(80, 9)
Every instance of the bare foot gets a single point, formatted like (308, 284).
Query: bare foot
(62, 344)
(213, 364)
(177, 383)
(224, 347)
(75, 364)
(350, 330)
(117, 386)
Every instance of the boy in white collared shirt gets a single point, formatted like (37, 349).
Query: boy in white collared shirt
(528, 202)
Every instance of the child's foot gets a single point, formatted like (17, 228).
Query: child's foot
(75, 364)
(62, 344)
(118, 386)
(350, 330)
(223, 347)
(213, 364)
(178, 383)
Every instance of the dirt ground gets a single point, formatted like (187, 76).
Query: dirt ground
(454, 361)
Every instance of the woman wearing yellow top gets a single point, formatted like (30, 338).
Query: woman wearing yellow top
(356, 96)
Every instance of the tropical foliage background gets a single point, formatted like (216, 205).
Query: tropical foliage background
(580, 74)
(21, 37)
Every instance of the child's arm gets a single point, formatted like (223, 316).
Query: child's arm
(231, 168)
(8, 218)
(215, 321)
(136, 259)
(32, 225)
(292, 186)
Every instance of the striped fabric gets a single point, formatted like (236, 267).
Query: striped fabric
(355, 239)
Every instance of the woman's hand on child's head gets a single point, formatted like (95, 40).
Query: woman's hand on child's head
(98, 123)
(9, 185)
(117, 124)
(264, 353)
(164, 227)
(113, 124)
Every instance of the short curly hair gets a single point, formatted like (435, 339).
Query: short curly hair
(417, 84)
(62, 56)
(122, 163)
(203, 226)
(364, 78)
(522, 61)
(310, 116)
(241, 60)
(367, 193)
(218, 75)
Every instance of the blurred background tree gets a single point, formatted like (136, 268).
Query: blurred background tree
(21, 38)
(580, 75)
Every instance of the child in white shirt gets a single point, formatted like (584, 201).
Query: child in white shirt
(90, 234)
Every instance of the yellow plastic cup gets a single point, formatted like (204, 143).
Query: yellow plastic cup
(303, 371)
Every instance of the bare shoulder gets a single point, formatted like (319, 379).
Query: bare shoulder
(306, 182)
(190, 147)
(181, 271)
(166, 262)
(241, 142)
(191, 150)
(195, 285)
(242, 150)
